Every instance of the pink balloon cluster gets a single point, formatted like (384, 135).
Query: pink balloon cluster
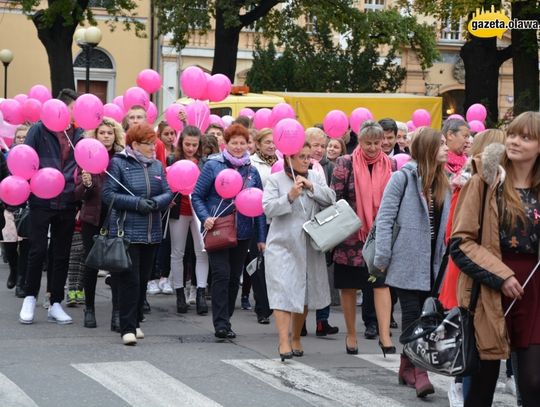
(197, 84)
(198, 114)
(46, 183)
(359, 116)
(335, 123)
(25, 108)
(182, 176)
(228, 183)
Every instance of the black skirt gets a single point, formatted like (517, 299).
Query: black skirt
(353, 277)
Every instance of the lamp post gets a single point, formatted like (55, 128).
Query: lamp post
(88, 39)
(6, 56)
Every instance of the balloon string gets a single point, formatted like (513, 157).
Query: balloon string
(166, 223)
(69, 140)
(205, 232)
(294, 178)
(217, 209)
(524, 285)
(119, 183)
(166, 214)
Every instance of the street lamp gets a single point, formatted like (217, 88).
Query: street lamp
(6, 56)
(87, 39)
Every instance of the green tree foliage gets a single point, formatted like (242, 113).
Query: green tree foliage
(363, 60)
(56, 22)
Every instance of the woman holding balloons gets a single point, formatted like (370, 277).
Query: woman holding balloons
(142, 175)
(88, 189)
(227, 264)
(182, 221)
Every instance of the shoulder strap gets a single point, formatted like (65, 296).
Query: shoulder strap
(404, 189)
(104, 231)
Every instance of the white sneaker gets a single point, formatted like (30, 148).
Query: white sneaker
(26, 316)
(192, 299)
(139, 334)
(129, 339)
(57, 314)
(165, 286)
(152, 288)
(510, 386)
(455, 395)
(359, 298)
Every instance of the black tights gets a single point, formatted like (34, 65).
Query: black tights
(483, 382)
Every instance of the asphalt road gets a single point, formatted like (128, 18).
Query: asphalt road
(180, 363)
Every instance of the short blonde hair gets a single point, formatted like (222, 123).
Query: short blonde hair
(314, 132)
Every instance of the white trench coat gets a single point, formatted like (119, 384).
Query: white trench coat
(295, 272)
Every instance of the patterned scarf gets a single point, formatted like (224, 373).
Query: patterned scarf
(268, 159)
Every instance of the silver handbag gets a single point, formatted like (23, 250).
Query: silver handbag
(332, 225)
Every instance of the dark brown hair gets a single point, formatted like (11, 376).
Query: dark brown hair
(189, 131)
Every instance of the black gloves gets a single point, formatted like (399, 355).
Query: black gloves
(145, 206)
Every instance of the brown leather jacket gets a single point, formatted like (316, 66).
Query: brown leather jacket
(482, 262)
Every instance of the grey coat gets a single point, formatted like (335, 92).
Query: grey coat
(295, 272)
(407, 263)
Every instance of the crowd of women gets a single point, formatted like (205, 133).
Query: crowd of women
(456, 194)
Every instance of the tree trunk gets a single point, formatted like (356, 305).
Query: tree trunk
(57, 41)
(482, 61)
(226, 48)
(525, 62)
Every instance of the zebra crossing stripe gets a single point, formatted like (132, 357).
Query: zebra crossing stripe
(311, 385)
(12, 395)
(442, 383)
(141, 384)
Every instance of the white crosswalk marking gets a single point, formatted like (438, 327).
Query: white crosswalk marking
(311, 385)
(142, 385)
(442, 383)
(12, 395)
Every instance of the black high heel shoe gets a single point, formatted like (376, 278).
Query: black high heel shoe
(351, 351)
(390, 350)
(283, 356)
(297, 353)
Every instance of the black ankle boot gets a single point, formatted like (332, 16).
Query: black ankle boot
(115, 321)
(12, 278)
(181, 305)
(202, 306)
(90, 318)
(324, 328)
(19, 288)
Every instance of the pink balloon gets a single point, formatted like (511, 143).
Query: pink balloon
(401, 160)
(198, 114)
(113, 111)
(215, 119)
(421, 117)
(278, 166)
(119, 101)
(218, 87)
(40, 93)
(91, 155)
(21, 97)
(227, 119)
(359, 116)
(476, 112)
(279, 154)
(171, 116)
(7, 131)
(246, 111)
(55, 115)
(14, 190)
(23, 161)
(281, 111)
(193, 82)
(228, 183)
(411, 126)
(31, 110)
(182, 176)
(136, 96)
(88, 111)
(476, 126)
(262, 119)
(149, 80)
(455, 116)
(249, 202)
(12, 111)
(335, 123)
(289, 136)
(151, 113)
(47, 183)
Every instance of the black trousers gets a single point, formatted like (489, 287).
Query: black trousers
(227, 266)
(258, 282)
(132, 285)
(411, 302)
(62, 223)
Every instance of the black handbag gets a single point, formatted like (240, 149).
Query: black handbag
(444, 341)
(22, 221)
(110, 253)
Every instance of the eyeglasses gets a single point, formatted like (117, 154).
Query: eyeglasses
(147, 143)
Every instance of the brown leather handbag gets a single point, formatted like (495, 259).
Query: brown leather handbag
(222, 235)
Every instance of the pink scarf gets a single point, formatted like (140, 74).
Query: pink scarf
(455, 162)
(369, 187)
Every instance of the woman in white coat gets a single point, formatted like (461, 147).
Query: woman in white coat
(296, 274)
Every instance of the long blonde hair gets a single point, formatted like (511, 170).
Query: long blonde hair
(424, 150)
(484, 139)
(119, 136)
(529, 123)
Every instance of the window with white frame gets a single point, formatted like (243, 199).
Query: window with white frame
(452, 31)
(373, 5)
(311, 23)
